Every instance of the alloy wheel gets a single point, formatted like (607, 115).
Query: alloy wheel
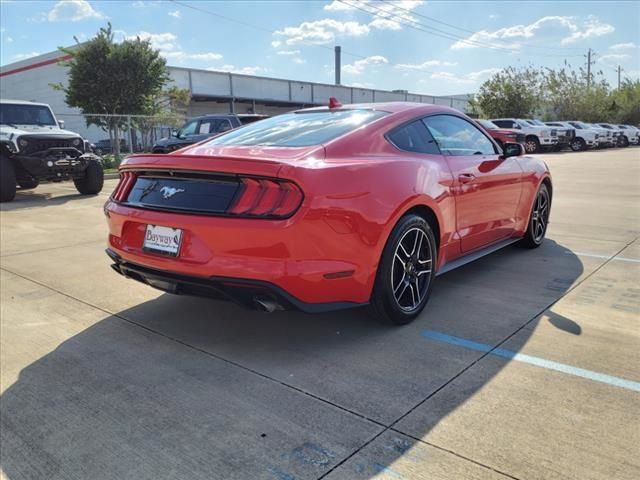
(531, 146)
(540, 216)
(411, 269)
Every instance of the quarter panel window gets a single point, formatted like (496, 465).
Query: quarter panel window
(414, 137)
(458, 137)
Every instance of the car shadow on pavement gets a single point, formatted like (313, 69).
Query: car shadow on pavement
(35, 199)
(188, 388)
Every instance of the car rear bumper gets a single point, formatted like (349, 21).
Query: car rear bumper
(254, 294)
(304, 257)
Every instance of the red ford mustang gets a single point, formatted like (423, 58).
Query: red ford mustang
(326, 208)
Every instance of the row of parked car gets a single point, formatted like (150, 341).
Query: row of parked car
(537, 136)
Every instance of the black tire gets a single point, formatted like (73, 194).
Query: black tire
(538, 219)
(624, 142)
(384, 304)
(578, 145)
(7, 180)
(532, 144)
(93, 179)
(28, 184)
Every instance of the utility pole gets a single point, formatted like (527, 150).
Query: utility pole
(589, 63)
(619, 71)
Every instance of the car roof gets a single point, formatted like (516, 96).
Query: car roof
(22, 102)
(389, 107)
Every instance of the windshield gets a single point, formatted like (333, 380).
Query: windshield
(537, 122)
(487, 124)
(16, 114)
(299, 129)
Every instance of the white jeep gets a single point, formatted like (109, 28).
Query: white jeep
(536, 136)
(35, 148)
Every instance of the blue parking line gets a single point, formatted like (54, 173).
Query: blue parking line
(531, 360)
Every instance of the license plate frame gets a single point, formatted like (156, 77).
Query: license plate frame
(162, 240)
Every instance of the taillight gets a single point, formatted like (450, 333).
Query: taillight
(266, 198)
(127, 179)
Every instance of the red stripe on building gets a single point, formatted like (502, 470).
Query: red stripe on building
(36, 65)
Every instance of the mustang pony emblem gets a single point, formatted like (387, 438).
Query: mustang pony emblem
(168, 192)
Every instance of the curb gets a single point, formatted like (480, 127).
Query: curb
(111, 176)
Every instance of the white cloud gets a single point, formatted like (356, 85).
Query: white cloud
(175, 14)
(321, 31)
(8, 40)
(358, 67)
(493, 16)
(426, 65)
(337, 6)
(298, 60)
(623, 46)
(613, 59)
(288, 52)
(23, 56)
(549, 26)
(276, 43)
(466, 79)
(73, 11)
(162, 41)
(388, 15)
(167, 43)
(592, 28)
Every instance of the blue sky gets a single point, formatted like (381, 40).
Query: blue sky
(432, 47)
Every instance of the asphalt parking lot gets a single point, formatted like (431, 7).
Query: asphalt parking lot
(525, 364)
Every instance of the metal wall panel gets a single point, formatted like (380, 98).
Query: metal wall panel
(362, 95)
(300, 92)
(321, 93)
(260, 88)
(210, 83)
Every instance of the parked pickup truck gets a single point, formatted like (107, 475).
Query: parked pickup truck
(632, 133)
(502, 135)
(619, 139)
(201, 128)
(605, 135)
(565, 133)
(34, 147)
(536, 137)
(582, 138)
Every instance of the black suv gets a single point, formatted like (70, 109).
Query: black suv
(201, 128)
(34, 147)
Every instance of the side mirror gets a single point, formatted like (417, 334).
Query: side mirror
(174, 132)
(515, 125)
(61, 123)
(512, 150)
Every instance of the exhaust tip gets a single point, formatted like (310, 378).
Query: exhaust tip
(266, 304)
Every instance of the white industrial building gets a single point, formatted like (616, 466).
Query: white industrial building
(211, 91)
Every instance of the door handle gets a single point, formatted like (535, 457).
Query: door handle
(466, 177)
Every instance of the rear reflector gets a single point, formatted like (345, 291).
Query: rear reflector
(267, 198)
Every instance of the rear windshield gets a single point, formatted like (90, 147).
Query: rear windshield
(299, 129)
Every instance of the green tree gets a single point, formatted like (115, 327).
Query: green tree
(512, 92)
(627, 102)
(112, 78)
(167, 108)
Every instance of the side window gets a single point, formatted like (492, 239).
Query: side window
(221, 126)
(189, 128)
(456, 137)
(204, 127)
(414, 137)
(503, 123)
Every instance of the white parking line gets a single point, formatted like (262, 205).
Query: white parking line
(531, 360)
(605, 257)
